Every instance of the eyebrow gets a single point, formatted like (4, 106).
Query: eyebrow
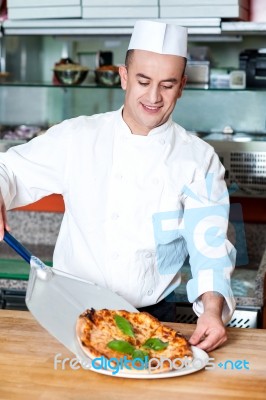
(172, 80)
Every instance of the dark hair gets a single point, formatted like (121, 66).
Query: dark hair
(129, 57)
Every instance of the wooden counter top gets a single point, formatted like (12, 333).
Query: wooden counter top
(27, 369)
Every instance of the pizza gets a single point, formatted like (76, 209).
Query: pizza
(137, 337)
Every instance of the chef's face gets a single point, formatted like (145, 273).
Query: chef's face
(153, 83)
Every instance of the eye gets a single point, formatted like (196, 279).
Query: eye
(167, 87)
(143, 83)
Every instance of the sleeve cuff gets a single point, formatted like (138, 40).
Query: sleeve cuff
(228, 309)
(206, 283)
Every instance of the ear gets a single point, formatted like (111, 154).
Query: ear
(182, 85)
(123, 76)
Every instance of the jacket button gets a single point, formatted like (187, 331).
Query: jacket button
(149, 292)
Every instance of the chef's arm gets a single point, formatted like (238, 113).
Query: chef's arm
(36, 169)
(212, 256)
(213, 302)
(210, 331)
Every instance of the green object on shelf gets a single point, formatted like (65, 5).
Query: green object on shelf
(15, 269)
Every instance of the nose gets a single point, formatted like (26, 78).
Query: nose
(154, 94)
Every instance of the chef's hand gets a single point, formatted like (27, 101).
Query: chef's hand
(3, 218)
(210, 331)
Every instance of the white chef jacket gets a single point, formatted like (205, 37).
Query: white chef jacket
(123, 194)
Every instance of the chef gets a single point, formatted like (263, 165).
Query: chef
(141, 194)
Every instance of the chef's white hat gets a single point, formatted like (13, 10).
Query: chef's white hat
(159, 37)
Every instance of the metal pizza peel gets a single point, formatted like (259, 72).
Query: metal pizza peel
(56, 298)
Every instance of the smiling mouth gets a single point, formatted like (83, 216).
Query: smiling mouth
(151, 108)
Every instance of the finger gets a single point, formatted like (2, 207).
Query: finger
(197, 336)
(211, 342)
(208, 348)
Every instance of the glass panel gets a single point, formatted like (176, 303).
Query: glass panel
(197, 110)
(243, 110)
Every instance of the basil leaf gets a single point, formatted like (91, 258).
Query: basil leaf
(121, 346)
(139, 354)
(124, 325)
(155, 344)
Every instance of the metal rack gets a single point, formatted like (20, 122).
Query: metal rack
(242, 317)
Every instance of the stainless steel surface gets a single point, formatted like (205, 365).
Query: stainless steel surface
(244, 319)
(50, 292)
(240, 319)
(71, 76)
(48, 297)
(107, 77)
(244, 160)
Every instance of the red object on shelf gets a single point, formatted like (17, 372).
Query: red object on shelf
(52, 203)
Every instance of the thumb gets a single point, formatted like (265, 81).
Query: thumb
(197, 336)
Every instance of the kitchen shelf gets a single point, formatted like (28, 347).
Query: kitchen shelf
(68, 27)
(4, 82)
(104, 26)
(124, 27)
(245, 28)
(52, 85)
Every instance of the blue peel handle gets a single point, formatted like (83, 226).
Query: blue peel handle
(21, 250)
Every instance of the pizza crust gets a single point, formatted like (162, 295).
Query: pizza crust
(94, 329)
